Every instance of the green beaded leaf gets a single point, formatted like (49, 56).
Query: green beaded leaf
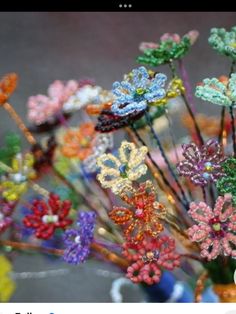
(12, 146)
(227, 184)
(168, 50)
(224, 42)
(154, 113)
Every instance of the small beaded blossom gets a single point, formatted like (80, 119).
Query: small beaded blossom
(42, 108)
(8, 85)
(48, 216)
(137, 91)
(202, 165)
(15, 182)
(142, 218)
(6, 210)
(227, 184)
(119, 173)
(220, 91)
(224, 42)
(78, 241)
(171, 47)
(149, 257)
(215, 228)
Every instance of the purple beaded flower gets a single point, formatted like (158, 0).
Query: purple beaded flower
(78, 241)
(203, 164)
(6, 210)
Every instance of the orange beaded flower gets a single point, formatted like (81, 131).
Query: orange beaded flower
(143, 216)
(7, 86)
(79, 142)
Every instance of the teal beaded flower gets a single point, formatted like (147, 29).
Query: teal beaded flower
(171, 47)
(227, 184)
(224, 42)
(216, 91)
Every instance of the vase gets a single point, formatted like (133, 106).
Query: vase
(225, 292)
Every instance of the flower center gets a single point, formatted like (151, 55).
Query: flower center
(139, 213)
(85, 141)
(50, 219)
(218, 228)
(123, 170)
(140, 91)
(18, 177)
(151, 256)
(207, 167)
(77, 239)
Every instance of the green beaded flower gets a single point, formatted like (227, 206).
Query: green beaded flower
(227, 184)
(171, 47)
(224, 42)
(220, 92)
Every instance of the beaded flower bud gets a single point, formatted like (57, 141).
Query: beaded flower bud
(202, 165)
(142, 218)
(215, 229)
(15, 182)
(220, 91)
(149, 257)
(48, 216)
(7, 86)
(119, 173)
(224, 42)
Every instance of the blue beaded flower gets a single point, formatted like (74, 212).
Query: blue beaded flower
(137, 91)
(78, 241)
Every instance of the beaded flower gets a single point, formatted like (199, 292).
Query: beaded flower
(87, 94)
(171, 47)
(137, 91)
(78, 142)
(15, 182)
(78, 241)
(224, 42)
(149, 257)
(220, 91)
(143, 215)
(7, 86)
(48, 216)
(202, 165)
(215, 228)
(119, 173)
(6, 210)
(42, 108)
(227, 184)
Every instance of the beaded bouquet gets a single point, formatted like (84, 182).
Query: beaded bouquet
(150, 204)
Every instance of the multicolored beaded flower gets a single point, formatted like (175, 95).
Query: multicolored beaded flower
(78, 241)
(43, 108)
(215, 228)
(149, 257)
(220, 91)
(171, 47)
(87, 94)
(137, 91)
(202, 165)
(6, 210)
(119, 173)
(15, 182)
(78, 142)
(142, 218)
(227, 184)
(48, 216)
(224, 42)
(7, 86)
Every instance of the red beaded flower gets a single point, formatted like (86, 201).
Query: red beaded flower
(47, 217)
(143, 216)
(149, 257)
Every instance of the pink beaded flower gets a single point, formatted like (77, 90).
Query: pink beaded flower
(6, 210)
(149, 256)
(44, 108)
(215, 228)
(203, 164)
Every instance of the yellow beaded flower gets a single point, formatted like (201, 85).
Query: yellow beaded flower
(15, 183)
(118, 173)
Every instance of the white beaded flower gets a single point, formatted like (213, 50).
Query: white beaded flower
(118, 173)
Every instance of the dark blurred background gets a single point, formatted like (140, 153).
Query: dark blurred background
(42, 47)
